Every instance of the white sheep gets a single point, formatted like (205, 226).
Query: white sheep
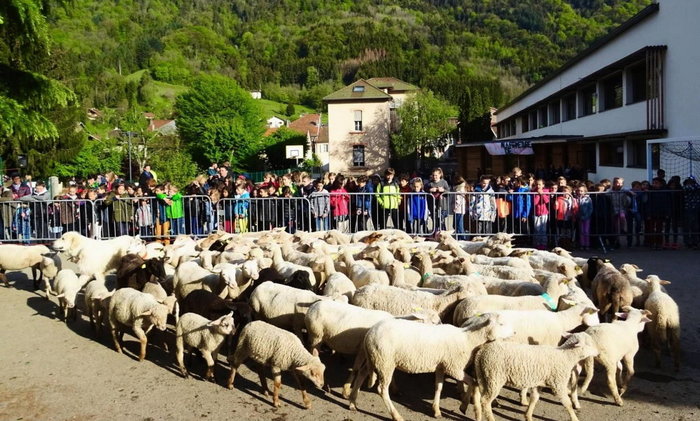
(287, 269)
(552, 262)
(339, 284)
(580, 261)
(131, 308)
(95, 292)
(471, 306)
(665, 326)
(222, 280)
(361, 275)
(37, 257)
(66, 288)
(271, 346)
(617, 342)
(284, 306)
(440, 349)
(518, 262)
(398, 301)
(195, 331)
(342, 327)
(528, 367)
(170, 301)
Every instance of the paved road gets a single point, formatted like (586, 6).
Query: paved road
(51, 371)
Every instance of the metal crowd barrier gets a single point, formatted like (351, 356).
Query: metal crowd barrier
(656, 218)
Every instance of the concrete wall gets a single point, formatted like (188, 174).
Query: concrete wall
(374, 136)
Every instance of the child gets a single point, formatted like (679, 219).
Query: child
(565, 211)
(21, 223)
(521, 204)
(288, 210)
(460, 207)
(241, 208)
(541, 205)
(405, 189)
(340, 204)
(585, 212)
(229, 214)
(363, 203)
(144, 218)
(174, 209)
(418, 208)
(483, 207)
(320, 206)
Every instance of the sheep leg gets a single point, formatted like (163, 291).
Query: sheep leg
(304, 395)
(573, 387)
(240, 355)
(277, 378)
(628, 362)
(488, 394)
(588, 368)
(115, 338)
(610, 370)
(534, 397)
(385, 382)
(523, 397)
(360, 377)
(35, 282)
(563, 395)
(180, 356)
(357, 367)
(141, 336)
(439, 380)
(658, 338)
(263, 382)
(4, 279)
(207, 355)
(468, 382)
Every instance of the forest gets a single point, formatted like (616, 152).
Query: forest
(125, 57)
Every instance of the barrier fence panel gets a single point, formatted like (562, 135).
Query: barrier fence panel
(263, 213)
(601, 219)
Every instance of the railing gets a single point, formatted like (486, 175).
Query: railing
(609, 219)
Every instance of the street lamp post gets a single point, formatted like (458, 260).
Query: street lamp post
(131, 176)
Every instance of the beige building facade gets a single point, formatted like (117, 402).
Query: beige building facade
(361, 118)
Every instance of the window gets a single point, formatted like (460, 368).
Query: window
(636, 83)
(569, 107)
(533, 120)
(358, 88)
(323, 147)
(554, 112)
(542, 117)
(612, 153)
(636, 154)
(612, 92)
(512, 129)
(358, 156)
(589, 101)
(525, 122)
(358, 120)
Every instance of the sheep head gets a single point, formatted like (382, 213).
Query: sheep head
(224, 325)
(314, 371)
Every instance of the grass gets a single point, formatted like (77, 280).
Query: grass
(272, 108)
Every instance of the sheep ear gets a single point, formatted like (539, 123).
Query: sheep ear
(61, 295)
(214, 322)
(569, 302)
(622, 316)
(636, 268)
(146, 313)
(303, 368)
(567, 335)
(662, 282)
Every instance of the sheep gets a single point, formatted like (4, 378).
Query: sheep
(528, 367)
(398, 301)
(518, 262)
(361, 275)
(94, 257)
(95, 292)
(617, 342)
(66, 288)
(665, 326)
(339, 284)
(384, 258)
(222, 280)
(484, 303)
(502, 272)
(284, 306)
(272, 346)
(134, 271)
(37, 257)
(580, 261)
(590, 270)
(195, 331)
(286, 269)
(342, 327)
(611, 290)
(442, 349)
(170, 301)
(131, 308)
(552, 262)
(537, 327)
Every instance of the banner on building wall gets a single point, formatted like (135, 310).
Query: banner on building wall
(515, 147)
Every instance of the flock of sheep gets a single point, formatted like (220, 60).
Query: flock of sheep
(481, 312)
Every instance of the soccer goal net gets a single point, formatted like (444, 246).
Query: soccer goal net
(679, 156)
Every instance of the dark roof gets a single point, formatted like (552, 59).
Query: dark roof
(595, 46)
(308, 123)
(359, 90)
(392, 84)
